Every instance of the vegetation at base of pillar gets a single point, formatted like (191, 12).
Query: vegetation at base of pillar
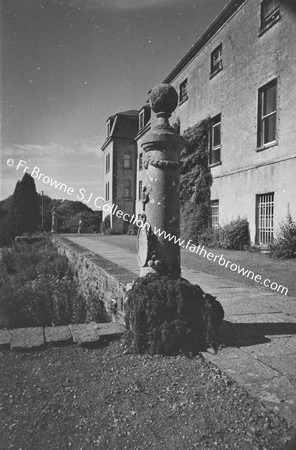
(284, 245)
(167, 316)
(195, 181)
(25, 206)
(38, 288)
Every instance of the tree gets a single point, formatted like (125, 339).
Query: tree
(196, 181)
(25, 206)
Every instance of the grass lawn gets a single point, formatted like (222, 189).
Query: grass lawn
(71, 397)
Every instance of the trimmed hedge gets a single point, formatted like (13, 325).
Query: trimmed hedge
(169, 316)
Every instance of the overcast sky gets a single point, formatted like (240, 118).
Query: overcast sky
(66, 65)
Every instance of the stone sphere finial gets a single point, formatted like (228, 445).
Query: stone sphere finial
(163, 100)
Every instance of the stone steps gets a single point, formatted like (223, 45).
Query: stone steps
(81, 334)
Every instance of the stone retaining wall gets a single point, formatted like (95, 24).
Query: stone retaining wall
(89, 269)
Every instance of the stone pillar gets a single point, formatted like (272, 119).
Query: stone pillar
(54, 221)
(161, 205)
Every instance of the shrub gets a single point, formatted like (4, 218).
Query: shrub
(38, 288)
(195, 181)
(235, 235)
(106, 224)
(132, 229)
(167, 316)
(111, 231)
(284, 245)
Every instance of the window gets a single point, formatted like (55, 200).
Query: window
(216, 60)
(140, 190)
(144, 116)
(127, 189)
(109, 126)
(142, 119)
(183, 94)
(215, 214)
(107, 191)
(127, 161)
(267, 114)
(140, 161)
(265, 209)
(215, 141)
(108, 163)
(270, 13)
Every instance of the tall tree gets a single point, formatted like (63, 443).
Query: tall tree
(25, 206)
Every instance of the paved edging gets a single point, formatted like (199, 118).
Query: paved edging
(34, 337)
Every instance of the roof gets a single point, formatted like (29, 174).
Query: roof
(131, 113)
(215, 26)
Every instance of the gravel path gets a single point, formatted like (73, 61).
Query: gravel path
(71, 397)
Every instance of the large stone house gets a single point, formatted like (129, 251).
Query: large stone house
(241, 73)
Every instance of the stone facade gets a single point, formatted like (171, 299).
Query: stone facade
(252, 55)
(245, 59)
(120, 161)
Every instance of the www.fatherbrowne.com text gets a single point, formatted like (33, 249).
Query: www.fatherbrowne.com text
(99, 203)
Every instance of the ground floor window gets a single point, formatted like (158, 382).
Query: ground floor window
(265, 218)
(215, 214)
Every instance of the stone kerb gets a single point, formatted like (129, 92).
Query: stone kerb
(93, 273)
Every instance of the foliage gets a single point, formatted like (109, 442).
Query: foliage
(235, 235)
(167, 316)
(38, 288)
(284, 245)
(25, 206)
(90, 223)
(106, 224)
(195, 181)
(111, 231)
(132, 229)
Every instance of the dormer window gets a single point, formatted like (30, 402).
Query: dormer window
(109, 126)
(144, 117)
(270, 13)
(127, 161)
(183, 94)
(216, 61)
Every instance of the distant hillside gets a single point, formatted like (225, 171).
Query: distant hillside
(69, 213)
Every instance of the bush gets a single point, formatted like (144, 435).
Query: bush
(132, 229)
(106, 224)
(169, 316)
(284, 245)
(111, 231)
(38, 288)
(235, 235)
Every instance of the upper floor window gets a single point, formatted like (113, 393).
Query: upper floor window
(127, 163)
(108, 163)
(183, 94)
(127, 190)
(216, 60)
(270, 13)
(215, 140)
(144, 117)
(267, 114)
(140, 190)
(107, 191)
(140, 161)
(109, 127)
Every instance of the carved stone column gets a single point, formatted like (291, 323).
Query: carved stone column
(162, 147)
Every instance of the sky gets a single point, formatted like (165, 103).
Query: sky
(67, 65)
